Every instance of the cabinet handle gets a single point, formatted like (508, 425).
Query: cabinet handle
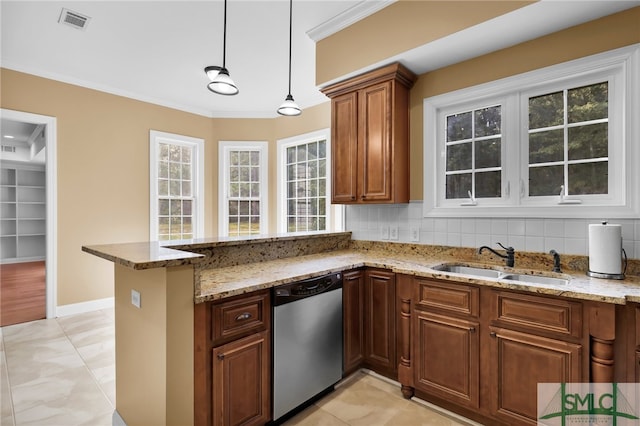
(353, 197)
(220, 357)
(243, 316)
(493, 334)
(364, 197)
(472, 330)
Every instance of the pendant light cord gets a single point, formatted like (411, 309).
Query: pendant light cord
(290, 30)
(224, 36)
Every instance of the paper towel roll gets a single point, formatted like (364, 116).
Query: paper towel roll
(605, 248)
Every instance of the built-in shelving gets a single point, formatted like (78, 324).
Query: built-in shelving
(23, 212)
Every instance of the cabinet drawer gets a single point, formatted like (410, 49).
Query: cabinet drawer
(535, 313)
(240, 316)
(446, 296)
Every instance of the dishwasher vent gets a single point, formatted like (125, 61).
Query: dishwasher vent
(8, 148)
(73, 19)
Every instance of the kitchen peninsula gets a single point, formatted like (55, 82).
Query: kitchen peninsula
(191, 290)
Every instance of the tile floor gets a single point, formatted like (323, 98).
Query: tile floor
(61, 372)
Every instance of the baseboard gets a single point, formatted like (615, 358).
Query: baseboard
(82, 307)
(116, 420)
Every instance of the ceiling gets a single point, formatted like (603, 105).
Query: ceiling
(156, 51)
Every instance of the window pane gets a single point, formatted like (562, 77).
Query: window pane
(163, 225)
(302, 153)
(322, 168)
(459, 157)
(255, 158)
(174, 153)
(244, 158)
(291, 193)
(458, 186)
(163, 207)
(186, 226)
(255, 208)
(186, 188)
(174, 171)
(322, 187)
(244, 190)
(163, 187)
(488, 121)
(234, 190)
(545, 180)
(164, 152)
(243, 207)
(588, 103)
(186, 172)
(255, 189)
(322, 149)
(292, 172)
(313, 150)
(488, 185)
(163, 169)
(488, 153)
(589, 141)
(459, 126)
(255, 174)
(186, 154)
(546, 110)
(291, 155)
(176, 208)
(233, 208)
(589, 178)
(186, 207)
(244, 174)
(174, 188)
(545, 147)
(313, 169)
(313, 188)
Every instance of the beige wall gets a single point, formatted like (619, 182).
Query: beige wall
(402, 26)
(103, 167)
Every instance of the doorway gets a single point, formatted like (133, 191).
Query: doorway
(28, 223)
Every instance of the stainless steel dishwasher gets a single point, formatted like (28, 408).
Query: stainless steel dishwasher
(307, 341)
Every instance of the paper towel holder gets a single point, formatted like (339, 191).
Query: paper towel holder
(611, 276)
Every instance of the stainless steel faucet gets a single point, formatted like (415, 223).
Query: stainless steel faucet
(509, 256)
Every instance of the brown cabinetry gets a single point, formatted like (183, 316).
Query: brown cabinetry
(380, 322)
(369, 312)
(370, 136)
(447, 344)
(353, 315)
(232, 363)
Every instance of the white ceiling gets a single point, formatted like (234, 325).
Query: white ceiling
(156, 51)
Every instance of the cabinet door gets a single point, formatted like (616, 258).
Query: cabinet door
(520, 361)
(241, 385)
(447, 358)
(353, 313)
(374, 142)
(379, 322)
(344, 148)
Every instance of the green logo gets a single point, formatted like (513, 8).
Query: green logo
(588, 403)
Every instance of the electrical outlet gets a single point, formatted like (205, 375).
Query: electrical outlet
(393, 232)
(384, 232)
(135, 298)
(415, 234)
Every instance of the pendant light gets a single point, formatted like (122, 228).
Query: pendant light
(221, 82)
(289, 106)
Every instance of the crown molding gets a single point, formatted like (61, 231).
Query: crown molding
(350, 16)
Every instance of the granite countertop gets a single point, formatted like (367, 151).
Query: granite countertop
(229, 281)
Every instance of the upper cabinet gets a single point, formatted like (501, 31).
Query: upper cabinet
(370, 136)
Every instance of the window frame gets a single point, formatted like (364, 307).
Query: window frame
(198, 187)
(223, 183)
(335, 213)
(620, 67)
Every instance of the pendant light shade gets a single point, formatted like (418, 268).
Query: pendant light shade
(289, 107)
(221, 82)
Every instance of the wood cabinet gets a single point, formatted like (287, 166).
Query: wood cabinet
(380, 322)
(232, 365)
(519, 361)
(370, 136)
(241, 381)
(353, 316)
(447, 344)
(369, 312)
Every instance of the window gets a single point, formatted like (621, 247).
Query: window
(176, 186)
(556, 142)
(243, 191)
(304, 184)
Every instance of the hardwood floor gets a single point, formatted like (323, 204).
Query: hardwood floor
(22, 292)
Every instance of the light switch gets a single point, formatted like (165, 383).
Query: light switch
(393, 232)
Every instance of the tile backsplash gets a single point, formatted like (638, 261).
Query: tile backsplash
(404, 223)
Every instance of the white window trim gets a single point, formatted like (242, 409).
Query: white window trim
(155, 138)
(223, 182)
(335, 213)
(626, 178)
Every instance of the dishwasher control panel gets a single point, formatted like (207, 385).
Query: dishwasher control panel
(301, 289)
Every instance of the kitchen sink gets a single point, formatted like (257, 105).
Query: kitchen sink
(488, 272)
(469, 270)
(535, 279)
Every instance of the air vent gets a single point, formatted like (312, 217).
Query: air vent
(8, 148)
(73, 19)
